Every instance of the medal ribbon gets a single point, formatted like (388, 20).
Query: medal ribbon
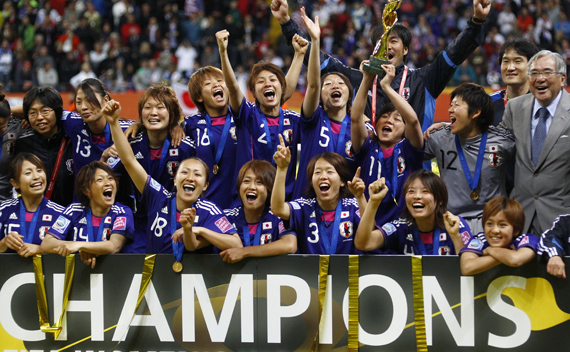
(89, 217)
(392, 179)
(177, 249)
(246, 234)
(342, 134)
(55, 172)
(263, 118)
(225, 132)
(472, 181)
(163, 155)
(106, 133)
(375, 88)
(330, 247)
(29, 235)
(418, 240)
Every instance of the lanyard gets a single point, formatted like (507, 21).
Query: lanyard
(89, 217)
(340, 142)
(375, 87)
(472, 181)
(246, 234)
(55, 171)
(176, 246)
(29, 235)
(418, 240)
(330, 246)
(261, 115)
(225, 132)
(506, 98)
(163, 155)
(392, 179)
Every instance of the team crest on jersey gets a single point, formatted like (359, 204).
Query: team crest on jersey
(9, 147)
(265, 238)
(223, 224)
(475, 243)
(233, 133)
(346, 229)
(465, 237)
(69, 165)
(444, 250)
(106, 234)
(406, 93)
(61, 224)
(524, 241)
(113, 161)
(85, 133)
(43, 231)
(288, 135)
(494, 159)
(348, 148)
(281, 227)
(410, 237)
(389, 229)
(401, 164)
(120, 223)
(171, 167)
(154, 184)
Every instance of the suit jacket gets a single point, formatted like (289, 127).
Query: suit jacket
(544, 190)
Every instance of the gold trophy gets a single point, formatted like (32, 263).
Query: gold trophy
(380, 55)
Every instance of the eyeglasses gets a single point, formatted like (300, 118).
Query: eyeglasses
(44, 113)
(546, 74)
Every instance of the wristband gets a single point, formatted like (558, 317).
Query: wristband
(478, 20)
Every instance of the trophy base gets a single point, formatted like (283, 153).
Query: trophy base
(375, 66)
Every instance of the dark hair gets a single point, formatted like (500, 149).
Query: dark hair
(340, 165)
(5, 111)
(400, 30)
(263, 170)
(47, 97)
(15, 167)
(348, 84)
(266, 66)
(86, 176)
(522, 46)
(512, 210)
(195, 84)
(165, 95)
(477, 99)
(92, 87)
(435, 186)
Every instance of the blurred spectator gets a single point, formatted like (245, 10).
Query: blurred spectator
(85, 73)
(85, 33)
(563, 25)
(119, 10)
(153, 32)
(117, 78)
(507, 21)
(465, 73)
(67, 42)
(25, 77)
(130, 28)
(154, 72)
(47, 14)
(186, 55)
(97, 55)
(6, 58)
(525, 20)
(141, 78)
(27, 31)
(164, 57)
(191, 29)
(47, 76)
(68, 67)
(543, 31)
(93, 17)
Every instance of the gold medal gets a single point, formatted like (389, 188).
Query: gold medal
(474, 194)
(177, 267)
(216, 169)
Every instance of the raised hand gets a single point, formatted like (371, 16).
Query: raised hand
(111, 111)
(280, 10)
(377, 190)
(481, 8)
(14, 241)
(110, 152)
(187, 217)
(389, 76)
(312, 27)
(451, 223)
(282, 156)
(300, 44)
(356, 186)
(222, 38)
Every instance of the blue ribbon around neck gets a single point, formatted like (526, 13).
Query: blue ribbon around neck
(177, 248)
(89, 217)
(29, 235)
(330, 246)
(225, 132)
(472, 181)
(418, 240)
(340, 142)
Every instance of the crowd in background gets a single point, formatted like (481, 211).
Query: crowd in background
(130, 44)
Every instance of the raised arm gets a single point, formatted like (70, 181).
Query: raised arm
(311, 101)
(368, 237)
(452, 224)
(412, 129)
(300, 45)
(111, 112)
(282, 159)
(358, 131)
(236, 95)
(285, 245)
(357, 187)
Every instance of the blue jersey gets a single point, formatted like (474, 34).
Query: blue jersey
(10, 216)
(253, 142)
(376, 163)
(160, 204)
(161, 169)
(478, 243)
(403, 237)
(309, 222)
(196, 127)
(76, 223)
(320, 134)
(270, 227)
(86, 148)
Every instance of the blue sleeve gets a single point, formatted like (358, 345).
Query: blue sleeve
(61, 228)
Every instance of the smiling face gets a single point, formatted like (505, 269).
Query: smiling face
(390, 129)
(42, 119)
(420, 201)
(513, 68)
(190, 181)
(31, 181)
(88, 111)
(268, 90)
(498, 231)
(396, 50)
(461, 123)
(102, 190)
(155, 115)
(545, 90)
(252, 192)
(326, 183)
(214, 93)
(334, 93)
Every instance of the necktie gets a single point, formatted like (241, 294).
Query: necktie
(539, 134)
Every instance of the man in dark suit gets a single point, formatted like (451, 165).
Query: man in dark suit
(541, 125)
